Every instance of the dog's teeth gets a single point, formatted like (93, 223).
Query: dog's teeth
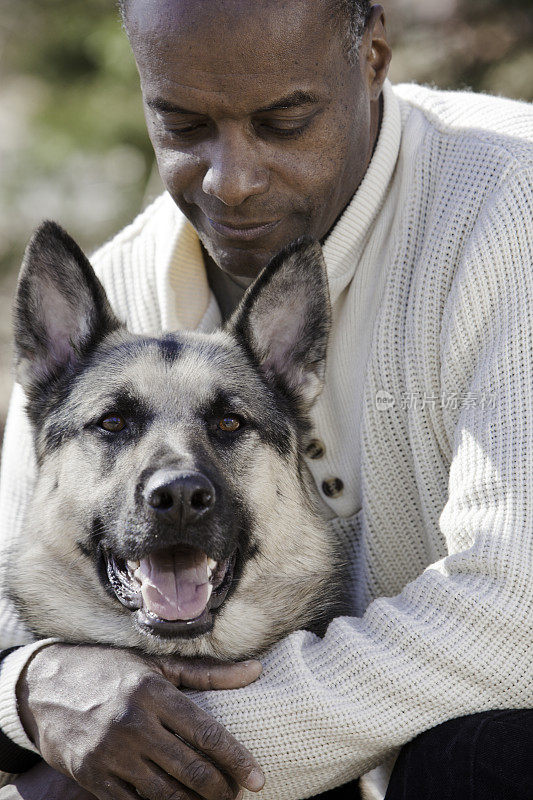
(134, 571)
(209, 590)
(211, 565)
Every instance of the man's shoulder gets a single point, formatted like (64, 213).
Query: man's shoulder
(501, 124)
(151, 229)
(129, 264)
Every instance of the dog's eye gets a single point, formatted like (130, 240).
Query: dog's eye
(112, 423)
(229, 424)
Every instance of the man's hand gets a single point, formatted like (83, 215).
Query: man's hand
(115, 722)
(44, 783)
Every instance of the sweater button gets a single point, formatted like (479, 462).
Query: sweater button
(315, 449)
(332, 487)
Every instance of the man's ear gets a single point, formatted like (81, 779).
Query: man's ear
(283, 321)
(61, 310)
(375, 52)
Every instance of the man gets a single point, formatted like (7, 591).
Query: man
(270, 120)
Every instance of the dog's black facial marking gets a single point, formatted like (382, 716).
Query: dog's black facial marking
(135, 411)
(266, 418)
(56, 434)
(287, 407)
(247, 550)
(51, 403)
(46, 401)
(59, 419)
(135, 528)
(117, 540)
(170, 348)
(94, 535)
(225, 407)
(97, 532)
(136, 415)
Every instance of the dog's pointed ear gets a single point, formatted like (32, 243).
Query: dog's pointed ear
(61, 310)
(283, 321)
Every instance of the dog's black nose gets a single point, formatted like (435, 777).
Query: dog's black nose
(179, 497)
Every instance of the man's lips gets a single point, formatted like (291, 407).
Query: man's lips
(244, 232)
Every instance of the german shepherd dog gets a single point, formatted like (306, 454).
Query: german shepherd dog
(173, 511)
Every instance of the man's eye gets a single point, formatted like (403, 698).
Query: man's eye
(283, 127)
(112, 423)
(275, 130)
(229, 424)
(187, 130)
(184, 127)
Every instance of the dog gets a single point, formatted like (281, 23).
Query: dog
(173, 511)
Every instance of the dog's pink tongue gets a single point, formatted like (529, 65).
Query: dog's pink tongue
(175, 583)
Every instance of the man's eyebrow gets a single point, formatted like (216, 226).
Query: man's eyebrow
(158, 104)
(297, 98)
(292, 100)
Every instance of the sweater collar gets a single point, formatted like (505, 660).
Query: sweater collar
(185, 298)
(184, 294)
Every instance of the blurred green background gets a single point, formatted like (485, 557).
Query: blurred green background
(73, 146)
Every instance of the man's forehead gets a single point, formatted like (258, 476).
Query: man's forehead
(232, 37)
(254, 59)
(183, 13)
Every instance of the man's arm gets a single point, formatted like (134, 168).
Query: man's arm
(16, 485)
(17, 479)
(457, 640)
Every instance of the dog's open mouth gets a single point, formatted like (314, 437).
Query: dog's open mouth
(172, 591)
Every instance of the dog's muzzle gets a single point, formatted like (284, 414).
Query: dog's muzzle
(173, 589)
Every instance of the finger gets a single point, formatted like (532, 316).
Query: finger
(205, 674)
(115, 789)
(197, 728)
(192, 770)
(157, 785)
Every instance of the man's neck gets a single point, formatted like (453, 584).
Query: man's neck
(377, 118)
(227, 291)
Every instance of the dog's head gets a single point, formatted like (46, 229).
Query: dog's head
(172, 509)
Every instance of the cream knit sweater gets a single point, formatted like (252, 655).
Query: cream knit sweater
(427, 417)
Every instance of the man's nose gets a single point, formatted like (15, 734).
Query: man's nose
(235, 171)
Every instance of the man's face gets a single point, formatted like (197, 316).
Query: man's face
(261, 127)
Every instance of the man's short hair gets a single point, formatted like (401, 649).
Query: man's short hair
(352, 15)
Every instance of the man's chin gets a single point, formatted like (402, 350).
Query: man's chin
(243, 251)
(244, 263)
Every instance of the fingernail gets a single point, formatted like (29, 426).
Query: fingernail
(253, 663)
(255, 780)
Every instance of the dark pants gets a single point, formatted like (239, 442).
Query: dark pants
(486, 756)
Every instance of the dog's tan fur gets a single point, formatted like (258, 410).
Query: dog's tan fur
(291, 578)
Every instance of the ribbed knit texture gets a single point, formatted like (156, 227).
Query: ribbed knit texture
(430, 424)
(10, 670)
